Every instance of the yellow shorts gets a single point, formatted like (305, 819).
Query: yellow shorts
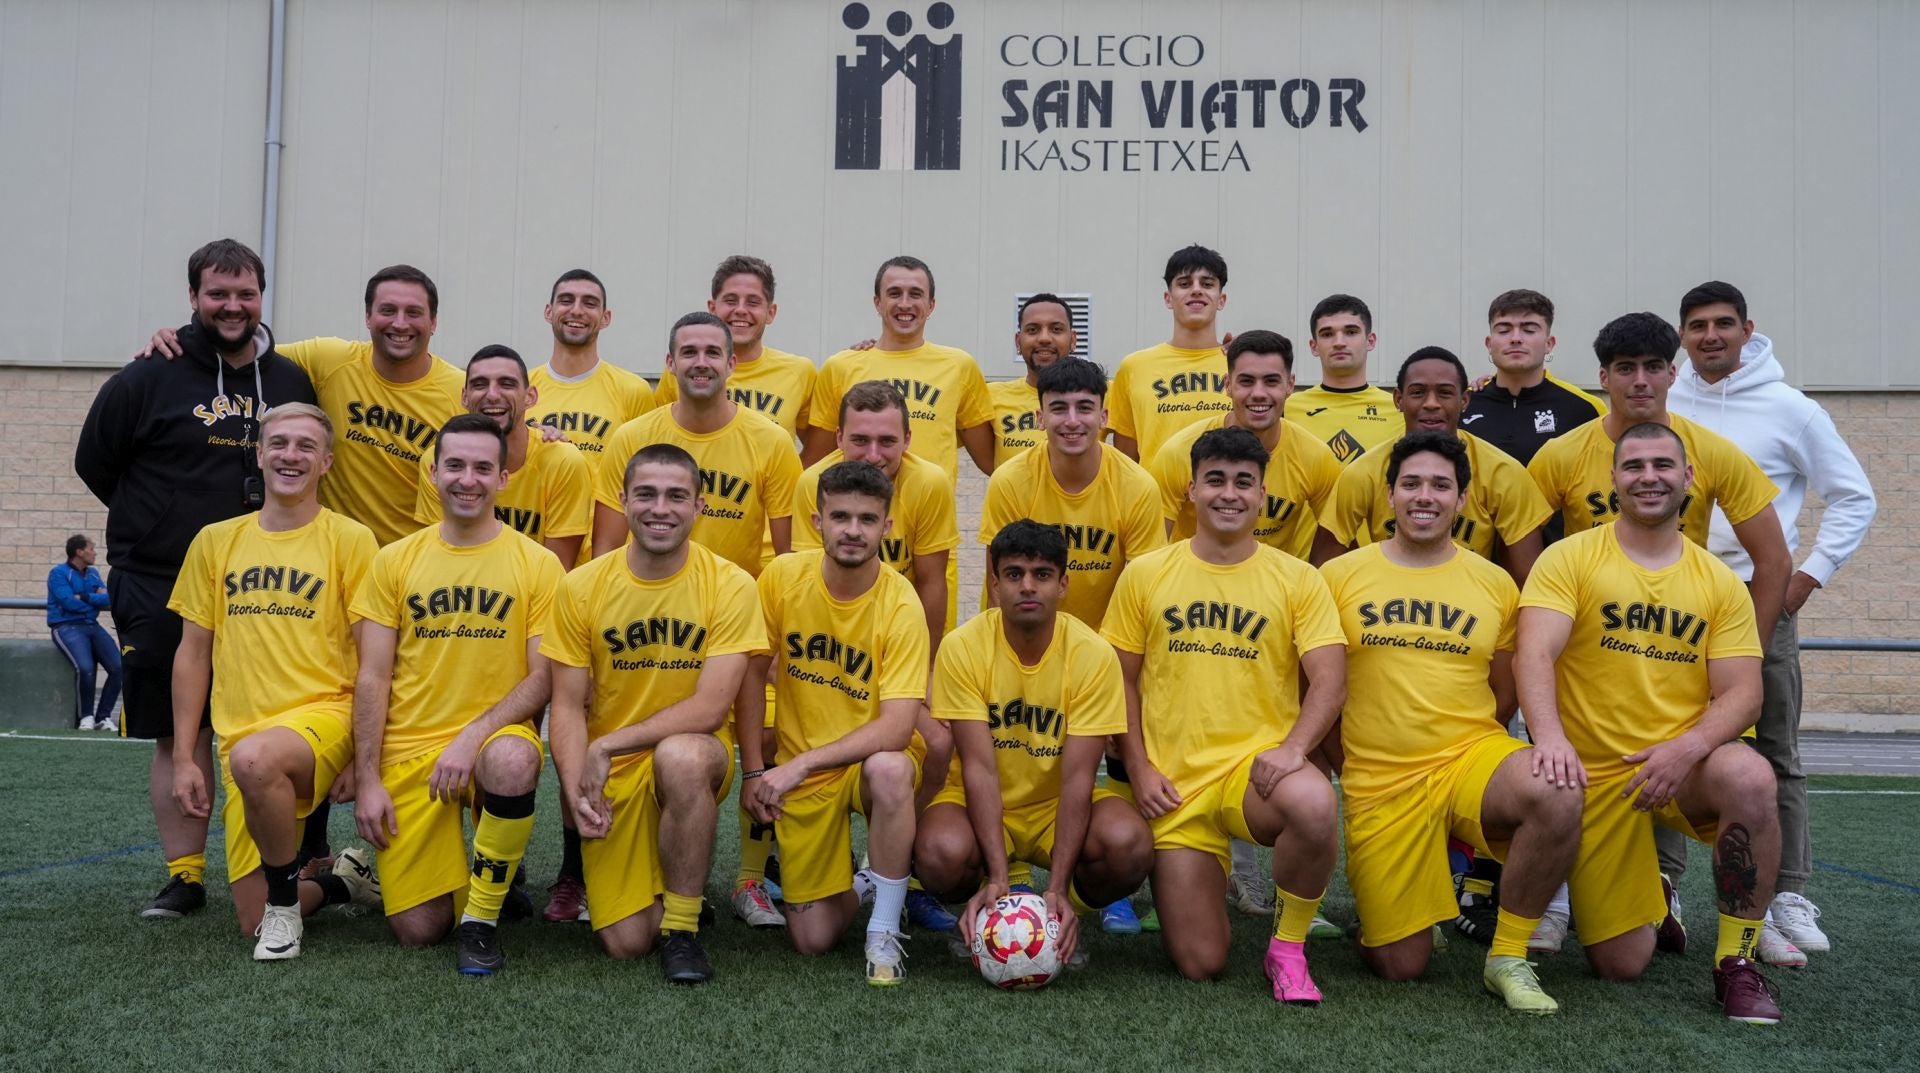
(1210, 818)
(623, 869)
(328, 731)
(1397, 844)
(429, 856)
(815, 833)
(1615, 885)
(1028, 830)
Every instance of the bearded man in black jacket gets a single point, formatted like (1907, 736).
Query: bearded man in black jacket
(170, 446)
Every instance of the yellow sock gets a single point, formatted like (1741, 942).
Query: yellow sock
(756, 845)
(1739, 937)
(498, 844)
(192, 867)
(1019, 873)
(1293, 915)
(1482, 887)
(681, 913)
(1510, 934)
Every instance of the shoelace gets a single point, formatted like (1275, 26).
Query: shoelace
(276, 931)
(1798, 914)
(1748, 979)
(888, 939)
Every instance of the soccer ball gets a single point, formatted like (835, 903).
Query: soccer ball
(1016, 943)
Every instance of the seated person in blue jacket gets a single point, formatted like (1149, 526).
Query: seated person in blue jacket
(75, 598)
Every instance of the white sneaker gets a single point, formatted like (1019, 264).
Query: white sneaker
(107, 725)
(1777, 949)
(279, 933)
(354, 867)
(755, 907)
(1795, 916)
(886, 959)
(1548, 935)
(1250, 894)
(86, 722)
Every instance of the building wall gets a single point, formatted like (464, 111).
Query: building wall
(1876, 595)
(1602, 153)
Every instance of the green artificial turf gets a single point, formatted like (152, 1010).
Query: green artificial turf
(87, 985)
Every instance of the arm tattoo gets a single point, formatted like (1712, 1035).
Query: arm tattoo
(1735, 874)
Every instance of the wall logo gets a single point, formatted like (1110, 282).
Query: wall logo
(897, 95)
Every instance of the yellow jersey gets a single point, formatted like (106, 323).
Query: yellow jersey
(1502, 501)
(1220, 650)
(776, 383)
(1076, 689)
(644, 643)
(464, 616)
(747, 473)
(277, 606)
(550, 495)
(1016, 418)
(943, 385)
(381, 430)
(836, 660)
(1300, 481)
(1420, 646)
(1634, 671)
(1158, 391)
(922, 515)
(1350, 421)
(590, 408)
(1575, 474)
(1107, 524)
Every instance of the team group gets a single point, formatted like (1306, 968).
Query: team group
(372, 576)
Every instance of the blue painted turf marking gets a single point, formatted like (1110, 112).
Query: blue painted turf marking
(1869, 877)
(91, 858)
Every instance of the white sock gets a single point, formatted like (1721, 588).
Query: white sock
(1245, 864)
(889, 901)
(469, 918)
(1559, 906)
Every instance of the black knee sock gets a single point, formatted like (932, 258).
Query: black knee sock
(283, 883)
(314, 844)
(333, 890)
(570, 854)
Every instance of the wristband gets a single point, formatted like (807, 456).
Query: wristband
(745, 775)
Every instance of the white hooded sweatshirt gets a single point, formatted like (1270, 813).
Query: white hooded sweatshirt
(1795, 443)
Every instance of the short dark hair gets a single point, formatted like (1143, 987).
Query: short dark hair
(1195, 258)
(1339, 303)
(1028, 539)
(1520, 300)
(1071, 374)
(499, 350)
(699, 316)
(853, 478)
(1651, 430)
(1713, 292)
(741, 264)
(1228, 445)
(471, 423)
(404, 274)
(1447, 447)
(1042, 299)
(224, 255)
(79, 541)
(1260, 341)
(872, 397)
(577, 273)
(906, 261)
(1636, 335)
(661, 454)
(1430, 353)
